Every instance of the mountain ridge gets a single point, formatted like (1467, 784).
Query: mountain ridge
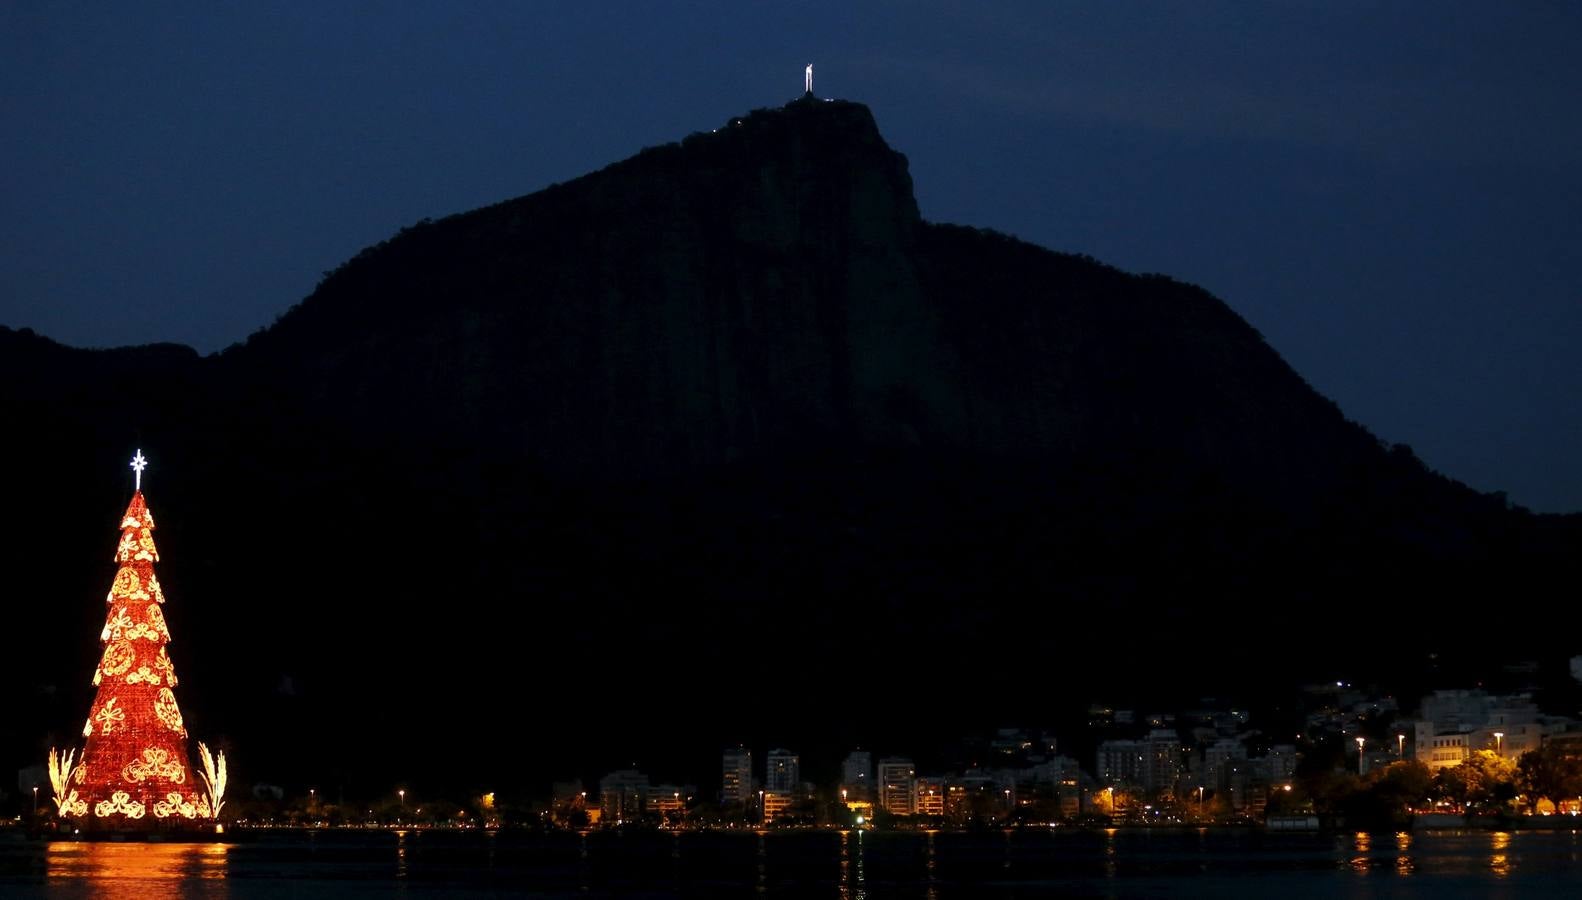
(730, 402)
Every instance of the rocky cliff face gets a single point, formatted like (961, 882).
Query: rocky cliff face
(728, 406)
(745, 290)
(769, 288)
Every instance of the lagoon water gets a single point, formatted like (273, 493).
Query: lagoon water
(867, 865)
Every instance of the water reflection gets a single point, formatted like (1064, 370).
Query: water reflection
(930, 871)
(584, 868)
(853, 883)
(763, 864)
(675, 857)
(1403, 853)
(1499, 859)
(906, 865)
(862, 879)
(401, 853)
(1361, 845)
(137, 870)
(843, 886)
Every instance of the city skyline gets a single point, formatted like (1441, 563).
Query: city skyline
(1217, 756)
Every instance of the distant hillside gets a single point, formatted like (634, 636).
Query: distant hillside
(729, 421)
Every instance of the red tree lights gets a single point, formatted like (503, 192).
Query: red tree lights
(135, 771)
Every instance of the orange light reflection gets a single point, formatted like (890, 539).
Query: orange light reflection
(113, 871)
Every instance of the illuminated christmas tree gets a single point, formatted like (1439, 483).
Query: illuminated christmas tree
(134, 772)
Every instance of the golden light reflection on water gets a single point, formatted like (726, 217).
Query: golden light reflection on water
(136, 870)
(762, 887)
(931, 870)
(401, 853)
(853, 882)
(1403, 853)
(584, 868)
(843, 887)
(1109, 853)
(1361, 845)
(1499, 859)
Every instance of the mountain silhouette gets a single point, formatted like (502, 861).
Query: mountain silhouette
(725, 442)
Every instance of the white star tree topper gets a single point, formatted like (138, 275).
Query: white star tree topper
(139, 463)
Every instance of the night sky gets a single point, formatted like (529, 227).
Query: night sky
(1391, 196)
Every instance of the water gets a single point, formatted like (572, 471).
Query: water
(848, 866)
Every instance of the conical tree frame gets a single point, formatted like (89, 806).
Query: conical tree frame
(135, 772)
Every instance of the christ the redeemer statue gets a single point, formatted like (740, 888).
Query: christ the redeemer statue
(808, 77)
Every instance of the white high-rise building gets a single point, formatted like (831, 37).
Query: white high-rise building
(856, 776)
(1119, 762)
(783, 772)
(928, 796)
(736, 782)
(896, 780)
(621, 796)
(1163, 761)
(1216, 756)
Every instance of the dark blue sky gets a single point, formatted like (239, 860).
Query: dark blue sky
(1393, 197)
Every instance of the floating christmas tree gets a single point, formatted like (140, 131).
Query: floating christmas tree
(134, 772)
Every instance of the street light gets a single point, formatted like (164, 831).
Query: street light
(1400, 743)
(35, 801)
(1499, 743)
(1360, 742)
